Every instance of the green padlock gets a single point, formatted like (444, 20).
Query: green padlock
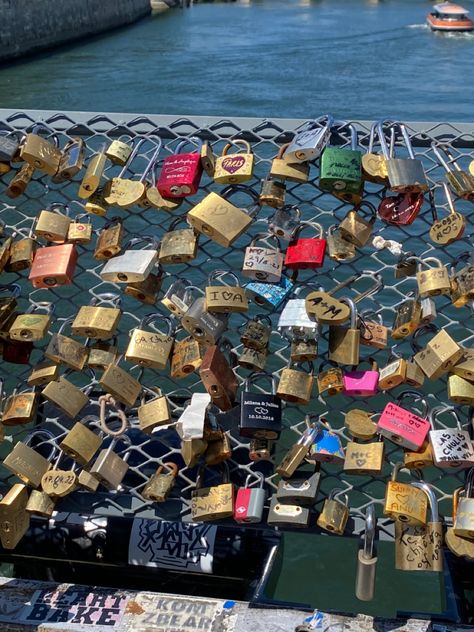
(341, 169)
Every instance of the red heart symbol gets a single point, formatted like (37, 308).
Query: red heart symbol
(401, 209)
(233, 163)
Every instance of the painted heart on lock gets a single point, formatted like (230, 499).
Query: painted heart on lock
(232, 164)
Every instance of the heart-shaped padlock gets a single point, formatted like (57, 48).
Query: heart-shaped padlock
(400, 209)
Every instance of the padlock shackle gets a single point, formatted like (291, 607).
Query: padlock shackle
(289, 207)
(369, 531)
(302, 225)
(353, 310)
(216, 275)
(144, 239)
(106, 297)
(176, 222)
(236, 188)
(150, 318)
(44, 433)
(171, 467)
(260, 479)
(108, 400)
(465, 256)
(136, 146)
(298, 363)
(46, 306)
(265, 236)
(37, 127)
(195, 141)
(238, 142)
(434, 412)
(281, 151)
(421, 331)
(13, 288)
(333, 492)
(112, 220)
(156, 392)
(437, 148)
(66, 322)
(418, 397)
(422, 262)
(340, 125)
(432, 500)
(260, 375)
(152, 162)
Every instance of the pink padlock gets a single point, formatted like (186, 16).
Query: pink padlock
(402, 426)
(361, 382)
(181, 173)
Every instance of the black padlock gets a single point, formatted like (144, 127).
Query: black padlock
(260, 415)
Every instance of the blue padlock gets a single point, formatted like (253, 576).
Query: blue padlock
(327, 446)
(269, 295)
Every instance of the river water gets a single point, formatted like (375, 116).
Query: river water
(293, 58)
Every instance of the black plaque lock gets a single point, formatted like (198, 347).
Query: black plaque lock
(260, 415)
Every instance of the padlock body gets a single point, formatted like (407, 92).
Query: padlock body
(357, 383)
(40, 154)
(79, 233)
(120, 385)
(53, 266)
(405, 503)
(178, 246)
(464, 518)
(249, 504)
(52, 226)
(307, 144)
(30, 327)
(132, 266)
(213, 503)
(333, 517)
(145, 291)
(153, 414)
(224, 299)
(406, 175)
(149, 348)
(17, 352)
(64, 350)
(403, 427)
(374, 334)
(256, 335)
(344, 345)
(341, 172)
(465, 366)
(14, 519)
(433, 281)
(27, 464)
(109, 242)
(295, 386)
(272, 193)
(43, 373)
(295, 320)
(253, 359)
(159, 487)
(40, 504)
(186, 357)
(303, 350)
(462, 286)
(299, 489)
(20, 409)
(268, 295)
(109, 469)
(81, 444)
(281, 514)
(364, 458)
(407, 318)
(218, 219)
(419, 548)
(260, 415)
(70, 399)
(392, 375)
(118, 152)
(201, 324)
(452, 448)
(8, 148)
(234, 168)
(355, 229)
(419, 459)
(96, 322)
(22, 253)
(460, 391)
(305, 254)
(180, 175)
(402, 209)
(218, 378)
(439, 356)
(262, 264)
(293, 172)
(330, 381)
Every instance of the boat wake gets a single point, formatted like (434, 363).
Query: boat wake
(418, 26)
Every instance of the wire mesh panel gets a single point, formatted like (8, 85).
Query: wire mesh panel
(147, 451)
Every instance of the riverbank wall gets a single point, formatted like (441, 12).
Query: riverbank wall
(29, 26)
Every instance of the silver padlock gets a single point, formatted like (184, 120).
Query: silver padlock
(250, 501)
(284, 221)
(428, 311)
(178, 298)
(406, 175)
(205, 327)
(263, 263)
(310, 142)
(282, 514)
(133, 266)
(294, 321)
(451, 447)
(366, 560)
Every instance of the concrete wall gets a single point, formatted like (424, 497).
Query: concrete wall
(31, 25)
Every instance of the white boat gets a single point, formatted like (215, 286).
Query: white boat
(449, 17)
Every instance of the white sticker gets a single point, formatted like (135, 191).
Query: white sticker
(191, 423)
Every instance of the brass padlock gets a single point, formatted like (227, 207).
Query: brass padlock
(14, 519)
(109, 240)
(32, 326)
(373, 333)
(374, 166)
(215, 502)
(298, 452)
(234, 168)
(420, 459)
(87, 481)
(460, 390)
(186, 357)
(80, 443)
(434, 280)
(64, 350)
(95, 320)
(253, 359)
(355, 228)
(364, 458)
(261, 449)
(339, 249)
(178, 245)
(287, 170)
(94, 172)
(154, 199)
(192, 450)
(58, 483)
(119, 152)
(160, 485)
(66, 396)
(178, 298)
(5, 251)
(330, 381)
(132, 192)
(404, 502)
(39, 152)
(52, 225)
(406, 265)
(465, 366)
(263, 263)
(344, 343)
(304, 350)
(439, 355)
(207, 328)
(457, 544)
(219, 450)
(272, 193)
(218, 377)
(334, 515)
(296, 386)
(120, 384)
(460, 181)
(150, 348)
(8, 306)
(28, 464)
(71, 161)
(131, 266)
(414, 375)
(155, 412)
(394, 373)
(96, 204)
(102, 353)
(146, 291)
(22, 253)
(407, 318)
(43, 372)
(360, 425)
(225, 298)
(119, 188)
(80, 232)
(463, 524)
(40, 504)
(20, 408)
(462, 282)
(450, 228)
(20, 181)
(256, 334)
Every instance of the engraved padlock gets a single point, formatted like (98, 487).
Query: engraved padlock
(402, 426)
(451, 447)
(432, 280)
(404, 502)
(120, 384)
(71, 161)
(269, 295)
(67, 396)
(52, 225)
(150, 347)
(97, 320)
(109, 240)
(155, 412)
(39, 152)
(450, 228)
(53, 266)
(33, 325)
(81, 443)
(263, 263)
(80, 232)
(223, 298)
(439, 355)
(296, 385)
(364, 458)
(355, 228)
(27, 463)
(308, 143)
(181, 172)
(260, 412)
(160, 485)
(178, 245)
(207, 328)
(237, 167)
(186, 357)
(334, 515)
(330, 380)
(178, 297)
(406, 175)
(341, 168)
(64, 350)
(286, 170)
(20, 407)
(462, 281)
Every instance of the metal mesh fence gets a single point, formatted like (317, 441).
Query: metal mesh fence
(265, 136)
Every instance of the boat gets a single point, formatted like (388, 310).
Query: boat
(449, 17)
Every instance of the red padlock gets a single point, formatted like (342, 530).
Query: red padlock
(17, 352)
(249, 502)
(401, 209)
(181, 173)
(402, 426)
(53, 266)
(306, 253)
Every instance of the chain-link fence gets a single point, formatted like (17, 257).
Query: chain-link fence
(265, 136)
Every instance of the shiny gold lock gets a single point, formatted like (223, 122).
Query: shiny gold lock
(330, 381)
(439, 355)
(178, 245)
(119, 152)
(360, 425)
(150, 347)
(339, 249)
(102, 353)
(407, 318)
(40, 153)
(374, 166)
(87, 481)
(32, 326)
(405, 502)
(72, 160)
(66, 396)
(364, 458)
(457, 544)
(434, 280)
(80, 443)
(133, 192)
(109, 241)
(146, 291)
(225, 298)
(334, 515)
(160, 485)
(357, 229)
(8, 305)
(393, 374)
(465, 366)
(28, 464)
(344, 342)
(460, 390)
(280, 168)
(20, 408)
(43, 373)
(58, 483)
(95, 321)
(5, 252)
(234, 168)
(295, 386)
(52, 225)
(14, 519)
(373, 333)
(252, 359)
(80, 232)
(186, 357)
(118, 190)
(64, 350)
(462, 281)
(212, 503)
(419, 460)
(40, 504)
(20, 181)
(120, 384)
(208, 159)
(154, 413)
(94, 172)
(218, 451)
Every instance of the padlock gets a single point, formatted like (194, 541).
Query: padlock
(401, 209)
(178, 297)
(374, 167)
(360, 425)
(64, 350)
(120, 384)
(207, 328)
(215, 502)
(71, 161)
(339, 249)
(428, 311)
(155, 412)
(308, 143)
(43, 372)
(464, 515)
(249, 501)
(462, 282)
(420, 548)
(96, 204)
(256, 333)
(330, 381)
(28, 464)
(181, 173)
(122, 191)
(406, 265)
(362, 383)
(10, 145)
(260, 415)
(131, 266)
(364, 458)
(341, 168)
(452, 447)
(208, 159)
(32, 326)
(80, 443)
(298, 452)
(218, 377)
(66, 396)
(118, 152)
(57, 482)
(224, 298)
(295, 386)
(219, 450)
(404, 502)
(282, 514)
(16, 352)
(22, 253)
(434, 280)
(285, 170)
(5, 251)
(406, 175)
(237, 167)
(294, 321)
(95, 320)
(86, 481)
(186, 357)
(40, 504)
(402, 426)
(301, 489)
(284, 221)
(272, 193)
(407, 318)
(457, 544)
(460, 391)
(450, 228)
(373, 333)
(439, 355)
(366, 559)
(52, 225)
(80, 232)
(178, 246)
(260, 449)
(14, 519)
(109, 240)
(344, 342)
(327, 446)
(253, 359)
(263, 263)
(20, 181)
(306, 253)
(304, 349)
(461, 182)
(414, 375)
(150, 348)
(20, 408)
(465, 366)
(146, 291)
(393, 373)
(53, 266)
(357, 229)
(334, 514)
(8, 306)
(269, 295)
(219, 219)
(94, 172)
(420, 459)
(153, 198)
(39, 152)
(160, 485)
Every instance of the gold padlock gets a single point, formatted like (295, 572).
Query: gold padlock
(293, 172)
(154, 413)
(462, 281)
(96, 321)
(39, 152)
(304, 350)
(120, 384)
(22, 253)
(71, 161)
(186, 357)
(439, 355)
(64, 350)
(364, 458)
(8, 306)
(133, 192)
(344, 342)
(20, 181)
(460, 390)
(58, 483)
(465, 366)
(373, 332)
(28, 464)
(109, 241)
(5, 251)
(14, 519)
(119, 188)
(150, 347)
(32, 326)
(160, 485)
(419, 460)
(253, 359)
(52, 225)
(407, 318)
(192, 450)
(94, 172)
(355, 228)
(234, 168)
(43, 372)
(178, 245)
(80, 443)
(414, 375)
(224, 298)
(80, 232)
(334, 514)
(215, 502)
(256, 333)
(295, 386)
(272, 193)
(339, 249)
(66, 396)
(20, 408)
(102, 353)
(374, 166)
(146, 291)
(394, 373)
(434, 280)
(405, 502)
(118, 151)
(330, 381)
(96, 204)
(40, 504)
(219, 450)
